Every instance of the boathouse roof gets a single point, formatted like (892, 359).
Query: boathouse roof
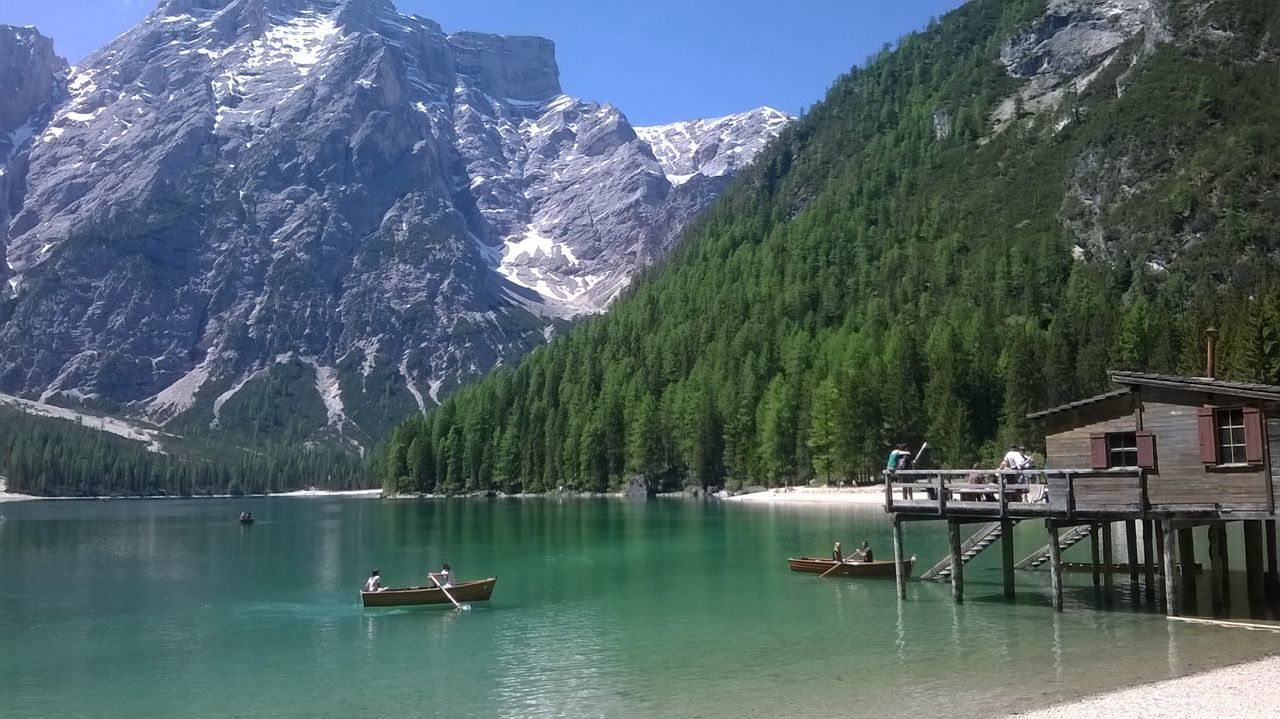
(1129, 380)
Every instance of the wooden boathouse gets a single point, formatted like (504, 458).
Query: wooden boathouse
(1157, 455)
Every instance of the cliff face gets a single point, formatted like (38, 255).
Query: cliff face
(316, 216)
(32, 81)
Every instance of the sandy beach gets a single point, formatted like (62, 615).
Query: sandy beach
(1244, 690)
(815, 495)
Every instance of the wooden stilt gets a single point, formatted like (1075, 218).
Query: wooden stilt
(1217, 550)
(899, 568)
(1254, 559)
(1095, 559)
(957, 563)
(1226, 566)
(1158, 527)
(1055, 565)
(1187, 559)
(1006, 552)
(1131, 548)
(1273, 571)
(1108, 560)
(1170, 570)
(1148, 557)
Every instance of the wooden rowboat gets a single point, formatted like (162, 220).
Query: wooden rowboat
(851, 568)
(477, 591)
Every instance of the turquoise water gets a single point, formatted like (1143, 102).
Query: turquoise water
(603, 608)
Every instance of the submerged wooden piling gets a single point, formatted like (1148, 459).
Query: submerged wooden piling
(1095, 558)
(957, 562)
(900, 574)
(1253, 559)
(1217, 561)
(1006, 555)
(1148, 557)
(1187, 559)
(1169, 542)
(1131, 548)
(1055, 564)
(1108, 560)
(1273, 571)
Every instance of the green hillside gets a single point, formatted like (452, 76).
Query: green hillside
(894, 269)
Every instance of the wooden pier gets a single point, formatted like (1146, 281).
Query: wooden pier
(1159, 456)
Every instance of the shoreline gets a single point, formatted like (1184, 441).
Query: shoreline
(811, 496)
(297, 493)
(1238, 690)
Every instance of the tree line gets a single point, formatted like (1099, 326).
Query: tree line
(872, 279)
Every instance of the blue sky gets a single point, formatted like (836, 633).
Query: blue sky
(657, 60)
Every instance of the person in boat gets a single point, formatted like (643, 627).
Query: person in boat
(836, 554)
(864, 552)
(246, 517)
(374, 582)
(444, 578)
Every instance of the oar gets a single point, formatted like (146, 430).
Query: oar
(459, 607)
(834, 567)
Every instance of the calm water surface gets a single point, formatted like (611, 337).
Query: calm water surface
(602, 608)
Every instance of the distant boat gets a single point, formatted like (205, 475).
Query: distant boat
(851, 568)
(246, 519)
(477, 591)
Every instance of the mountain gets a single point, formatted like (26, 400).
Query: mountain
(977, 223)
(309, 218)
(32, 82)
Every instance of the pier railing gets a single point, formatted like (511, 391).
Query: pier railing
(1065, 493)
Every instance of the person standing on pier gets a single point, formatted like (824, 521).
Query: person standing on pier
(900, 458)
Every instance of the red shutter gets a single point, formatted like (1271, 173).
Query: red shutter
(1208, 436)
(1146, 450)
(1252, 435)
(1098, 451)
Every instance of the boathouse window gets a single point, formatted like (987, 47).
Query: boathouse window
(1113, 450)
(1122, 449)
(1230, 435)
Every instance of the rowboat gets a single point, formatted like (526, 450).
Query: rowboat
(850, 568)
(477, 591)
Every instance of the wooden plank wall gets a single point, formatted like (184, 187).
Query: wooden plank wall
(1068, 448)
(1067, 439)
(1180, 478)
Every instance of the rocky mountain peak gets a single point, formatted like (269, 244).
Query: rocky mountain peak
(32, 79)
(328, 204)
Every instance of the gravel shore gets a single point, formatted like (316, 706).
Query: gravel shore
(815, 495)
(1244, 690)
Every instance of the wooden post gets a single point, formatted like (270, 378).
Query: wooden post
(1159, 534)
(1131, 548)
(1006, 554)
(1226, 566)
(1170, 570)
(1217, 551)
(1108, 560)
(888, 492)
(1273, 571)
(1095, 559)
(957, 562)
(1253, 559)
(1148, 557)
(899, 567)
(1187, 559)
(1055, 564)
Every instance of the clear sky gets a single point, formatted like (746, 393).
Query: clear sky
(657, 60)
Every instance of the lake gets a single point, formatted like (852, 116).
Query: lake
(603, 607)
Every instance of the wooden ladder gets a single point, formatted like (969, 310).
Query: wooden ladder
(1066, 541)
(972, 547)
